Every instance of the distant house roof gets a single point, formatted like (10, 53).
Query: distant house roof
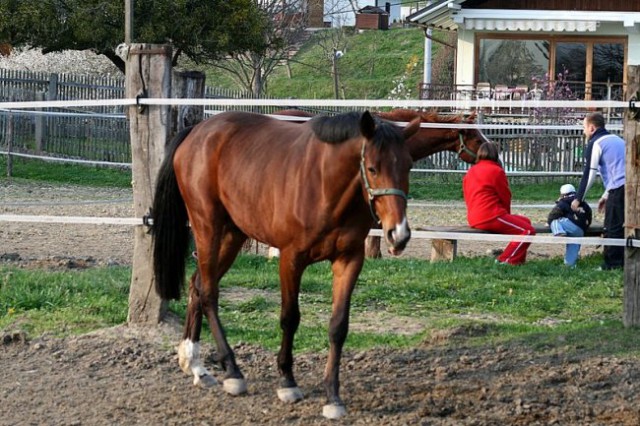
(451, 15)
(373, 10)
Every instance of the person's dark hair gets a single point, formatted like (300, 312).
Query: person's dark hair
(489, 151)
(596, 119)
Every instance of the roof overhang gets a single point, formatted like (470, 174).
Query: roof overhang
(449, 15)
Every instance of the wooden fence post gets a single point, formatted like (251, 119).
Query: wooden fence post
(9, 136)
(148, 76)
(631, 311)
(186, 84)
(49, 122)
(40, 128)
(372, 246)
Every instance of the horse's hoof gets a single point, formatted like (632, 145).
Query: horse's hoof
(290, 394)
(205, 381)
(334, 411)
(234, 387)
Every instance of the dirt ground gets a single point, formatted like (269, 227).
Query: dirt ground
(125, 375)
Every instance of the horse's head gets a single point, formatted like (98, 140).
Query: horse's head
(428, 139)
(469, 141)
(384, 168)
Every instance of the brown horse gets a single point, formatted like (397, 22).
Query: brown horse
(429, 140)
(317, 186)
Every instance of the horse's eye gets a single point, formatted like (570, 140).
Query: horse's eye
(372, 170)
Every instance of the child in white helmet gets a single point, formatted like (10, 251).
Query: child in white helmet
(566, 222)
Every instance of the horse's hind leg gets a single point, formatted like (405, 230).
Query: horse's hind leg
(204, 294)
(189, 349)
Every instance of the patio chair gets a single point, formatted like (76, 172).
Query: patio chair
(520, 93)
(483, 90)
(501, 92)
(535, 94)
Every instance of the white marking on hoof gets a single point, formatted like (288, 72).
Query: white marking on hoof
(188, 355)
(234, 387)
(290, 394)
(189, 360)
(334, 411)
(206, 381)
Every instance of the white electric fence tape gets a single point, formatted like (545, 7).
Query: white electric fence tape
(433, 235)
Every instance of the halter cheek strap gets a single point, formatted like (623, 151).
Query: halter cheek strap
(376, 192)
(463, 148)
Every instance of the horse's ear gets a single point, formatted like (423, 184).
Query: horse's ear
(367, 125)
(412, 128)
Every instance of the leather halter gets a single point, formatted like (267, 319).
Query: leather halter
(376, 192)
(463, 148)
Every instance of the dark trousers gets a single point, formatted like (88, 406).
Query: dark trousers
(614, 227)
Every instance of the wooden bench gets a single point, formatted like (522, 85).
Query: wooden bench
(447, 249)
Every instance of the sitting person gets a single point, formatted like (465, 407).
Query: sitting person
(488, 198)
(564, 221)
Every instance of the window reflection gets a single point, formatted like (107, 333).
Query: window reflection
(512, 62)
(594, 70)
(571, 62)
(608, 67)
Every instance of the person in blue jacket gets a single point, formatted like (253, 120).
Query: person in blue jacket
(605, 153)
(566, 222)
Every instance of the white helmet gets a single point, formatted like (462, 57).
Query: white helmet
(567, 188)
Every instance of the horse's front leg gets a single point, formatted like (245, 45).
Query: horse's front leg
(345, 269)
(290, 276)
(189, 349)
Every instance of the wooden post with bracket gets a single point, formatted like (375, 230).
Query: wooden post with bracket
(631, 309)
(148, 76)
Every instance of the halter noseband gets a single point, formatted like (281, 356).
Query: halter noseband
(376, 192)
(463, 148)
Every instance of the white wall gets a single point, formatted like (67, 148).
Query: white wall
(340, 12)
(465, 57)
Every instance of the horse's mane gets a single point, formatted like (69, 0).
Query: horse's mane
(406, 115)
(336, 129)
(342, 127)
(386, 133)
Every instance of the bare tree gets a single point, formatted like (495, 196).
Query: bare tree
(354, 6)
(251, 69)
(334, 45)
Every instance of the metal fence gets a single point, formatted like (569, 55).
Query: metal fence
(553, 151)
(102, 133)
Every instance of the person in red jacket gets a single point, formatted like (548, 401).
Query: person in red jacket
(488, 198)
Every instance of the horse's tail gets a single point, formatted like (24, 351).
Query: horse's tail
(170, 228)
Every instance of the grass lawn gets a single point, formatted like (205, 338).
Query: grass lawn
(406, 300)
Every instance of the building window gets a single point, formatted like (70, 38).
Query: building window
(512, 62)
(593, 67)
